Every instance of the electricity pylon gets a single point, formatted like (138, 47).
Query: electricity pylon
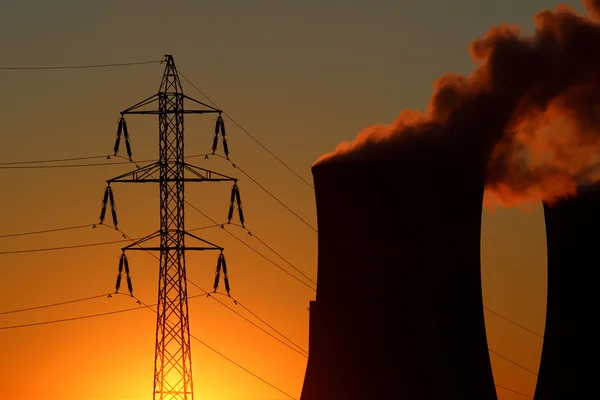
(172, 361)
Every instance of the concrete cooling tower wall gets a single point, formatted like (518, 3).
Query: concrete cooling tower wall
(398, 312)
(569, 365)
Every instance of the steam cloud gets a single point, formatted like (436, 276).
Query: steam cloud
(530, 111)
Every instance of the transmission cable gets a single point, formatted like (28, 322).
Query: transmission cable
(20, 165)
(24, 165)
(144, 305)
(241, 241)
(86, 316)
(268, 192)
(61, 166)
(514, 323)
(190, 297)
(77, 246)
(79, 66)
(253, 249)
(191, 230)
(47, 231)
(78, 396)
(54, 304)
(251, 233)
(243, 368)
(302, 352)
(512, 362)
(70, 319)
(225, 357)
(248, 133)
(514, 391)
(247, 245)
(54, 160)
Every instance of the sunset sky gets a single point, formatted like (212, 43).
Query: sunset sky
(300, 77)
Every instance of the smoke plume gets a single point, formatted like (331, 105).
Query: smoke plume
(530, 111)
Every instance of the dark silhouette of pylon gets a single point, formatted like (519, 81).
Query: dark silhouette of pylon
(173, 361)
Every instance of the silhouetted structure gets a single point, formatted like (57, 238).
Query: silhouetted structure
(172, 356)
(569, 368)
(399, 311)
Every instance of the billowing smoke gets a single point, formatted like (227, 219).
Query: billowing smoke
(530, 111)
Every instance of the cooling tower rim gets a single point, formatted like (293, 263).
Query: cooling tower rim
(408, 163)
(348, 162)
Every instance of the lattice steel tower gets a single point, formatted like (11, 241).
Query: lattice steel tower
(172, 362)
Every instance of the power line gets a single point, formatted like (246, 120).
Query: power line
(23, 164)
(78, 66)
(270, 194)
(244, 369)
(303, 352)
(62, 166)
(241, 241)
(197, 155)
(512, 362)
(54, 304)
(270, 326)
(105, 157)
(228, 359)
(190, 297)
(514, 391)
(86, 316)
(56, 321)
(54, 160)
(77, 246)
(514, 323)
(273, 250)
(46, 231)
(252, 248)
(19, 164)
(235, 165)
(206, 293)
(248, 133)
(269, 260)
(203, 227)
(147, 306)
(195, 229)
(144, 305)
(78, 396)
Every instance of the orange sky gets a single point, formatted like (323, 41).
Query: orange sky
(319, 81)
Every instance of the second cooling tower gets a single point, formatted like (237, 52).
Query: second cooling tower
(569, 365)
(398, 312)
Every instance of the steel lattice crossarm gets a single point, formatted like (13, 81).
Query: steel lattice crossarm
(136, 108)
(137, 245)
(146, 173)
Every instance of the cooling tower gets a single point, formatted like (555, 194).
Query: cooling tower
(398, 312)
(570, 354)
